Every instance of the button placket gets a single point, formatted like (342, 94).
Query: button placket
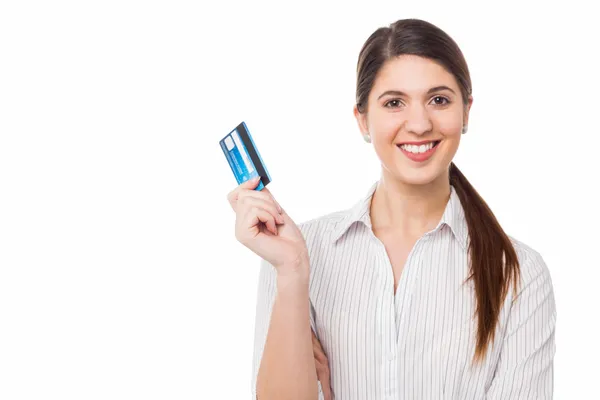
(392, 355)
(388, 350)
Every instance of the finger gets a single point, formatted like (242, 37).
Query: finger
(315, 341)
(250, 184)
(255, 215)
(318, 349)
(251, 201)
(323, 375)
(326, 387)
(255, 193)
(248, 199)
(322, 367)
(267, 191)
(253, 222)
(263, 194)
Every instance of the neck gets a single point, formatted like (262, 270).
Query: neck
(408, 210)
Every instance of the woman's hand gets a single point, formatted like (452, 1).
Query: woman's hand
(266, 229)
(322, 365)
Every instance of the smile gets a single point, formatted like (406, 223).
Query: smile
(419, 153)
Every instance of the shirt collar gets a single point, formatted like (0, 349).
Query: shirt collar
(453, 216)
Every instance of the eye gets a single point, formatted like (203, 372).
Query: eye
(443, 98)
(395, 101)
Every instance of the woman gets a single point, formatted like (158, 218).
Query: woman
(416, 291)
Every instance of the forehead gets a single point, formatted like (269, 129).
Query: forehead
(412, 75)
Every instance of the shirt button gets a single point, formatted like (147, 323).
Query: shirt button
(392, 356)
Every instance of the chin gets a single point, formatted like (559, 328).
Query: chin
(418, 177)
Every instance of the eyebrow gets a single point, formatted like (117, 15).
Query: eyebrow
(399, 93)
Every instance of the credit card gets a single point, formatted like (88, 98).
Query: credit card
(243, 156)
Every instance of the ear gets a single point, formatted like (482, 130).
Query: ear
(467, 110)
(361, 119)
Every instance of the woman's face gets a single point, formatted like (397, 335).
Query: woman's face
(406, 104)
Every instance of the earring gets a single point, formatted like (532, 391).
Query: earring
(367, 138)
(464, 129)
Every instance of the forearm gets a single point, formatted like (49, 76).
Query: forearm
(287, 370)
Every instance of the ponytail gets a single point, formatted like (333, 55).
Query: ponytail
(493, 260)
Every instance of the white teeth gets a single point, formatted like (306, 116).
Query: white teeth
(417, 149)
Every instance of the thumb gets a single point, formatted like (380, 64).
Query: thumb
(251, 183)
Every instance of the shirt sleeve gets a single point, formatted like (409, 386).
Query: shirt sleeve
(267, 288)
(525, 368)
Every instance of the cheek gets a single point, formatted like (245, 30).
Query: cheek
(449, 127)
(385, 126)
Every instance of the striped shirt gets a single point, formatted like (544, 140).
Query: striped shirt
(417, 343)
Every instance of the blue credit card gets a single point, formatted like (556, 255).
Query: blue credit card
(243, 156)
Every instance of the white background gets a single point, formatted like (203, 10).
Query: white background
(120, 276)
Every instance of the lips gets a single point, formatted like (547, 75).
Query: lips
(420, 157)
(435, 143)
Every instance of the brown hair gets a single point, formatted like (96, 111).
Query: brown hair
(492, 257)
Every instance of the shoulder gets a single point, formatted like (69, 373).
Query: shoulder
(319, 229)
(533, 267)
(534, 307)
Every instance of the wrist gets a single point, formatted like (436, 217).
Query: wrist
(295, 272)
(295, 267)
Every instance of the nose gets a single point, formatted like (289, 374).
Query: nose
(418, 120)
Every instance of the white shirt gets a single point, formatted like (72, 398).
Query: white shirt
(418, 343)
